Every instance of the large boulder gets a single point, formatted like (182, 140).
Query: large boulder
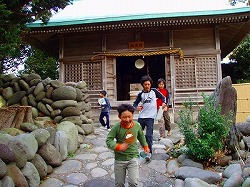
(232, 169)
(39, 88)
(16, 98)
(87, 128)
(28, 127)
(63, 103)
(24, 85)
(50, 155)
(8, 182)
(7, 154)
(9, 77)
(21, 152)
(41, 136)
(70, 111)
(234, 180)
(29, 77)
(30, 143)
(70, 129)
(61, 143)
(192, 172)
(244, 128)
(226, 97)
(42, 107)
(64, 93)
(56, 83)
(31, 174)
(17, 176)
(34, 82)
(40, 165)
(7, 93)
(74, 119)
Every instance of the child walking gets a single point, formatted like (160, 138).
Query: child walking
(165, 123)
(148, 108)
(123, 140)
(105, 110)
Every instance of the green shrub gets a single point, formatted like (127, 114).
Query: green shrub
(205, 136)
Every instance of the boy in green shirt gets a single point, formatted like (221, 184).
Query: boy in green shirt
(123, 140)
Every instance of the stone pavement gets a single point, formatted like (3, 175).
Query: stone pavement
(92, 165)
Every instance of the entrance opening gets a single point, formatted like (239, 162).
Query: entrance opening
(129, 70)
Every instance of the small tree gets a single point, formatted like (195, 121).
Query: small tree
(207, 135)
(41, 63)
(241, 55)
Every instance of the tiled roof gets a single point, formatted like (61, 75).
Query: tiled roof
(83, 21)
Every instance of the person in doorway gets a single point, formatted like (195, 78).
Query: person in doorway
(123, 140)
(148, 108)
(105, 110)
(164, 121)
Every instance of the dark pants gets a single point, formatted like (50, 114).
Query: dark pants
(164, 123)
(101, 119)
(149, 124)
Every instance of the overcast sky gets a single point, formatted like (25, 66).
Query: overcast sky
(113, 8)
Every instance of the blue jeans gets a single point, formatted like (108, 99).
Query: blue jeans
(149, 124)
(101, 119)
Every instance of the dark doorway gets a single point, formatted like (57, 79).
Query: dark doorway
(127, 73)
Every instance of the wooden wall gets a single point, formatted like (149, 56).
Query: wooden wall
(78, 46)
(119, 41)
(195, 41)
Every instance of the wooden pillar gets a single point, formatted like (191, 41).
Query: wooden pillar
(61, 57)
(104, 62)
(218, 56)
(172, 69)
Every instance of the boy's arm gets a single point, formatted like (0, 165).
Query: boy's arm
(137, 101)
(108, 103)
(112, 144)
(102, 102)
(160, 95)
(110, 140)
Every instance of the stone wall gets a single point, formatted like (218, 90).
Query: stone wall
(61, 114)
(57, 100)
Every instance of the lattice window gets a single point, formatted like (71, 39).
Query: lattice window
(185, 73)
(197, 72)
(90, 72)
(206, 71)
(92, 75)
(73, 72)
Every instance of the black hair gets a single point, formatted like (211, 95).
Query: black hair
(146, 78)
(124, 107)
(161, 80)
(103, 92)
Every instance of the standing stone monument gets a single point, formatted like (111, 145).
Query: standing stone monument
(226, 96)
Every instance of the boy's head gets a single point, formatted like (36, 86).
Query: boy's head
(103, 92)
(125, 113)
(146, 82)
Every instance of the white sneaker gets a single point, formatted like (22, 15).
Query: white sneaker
(109, 129)
(102, 127)
(148, 157)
